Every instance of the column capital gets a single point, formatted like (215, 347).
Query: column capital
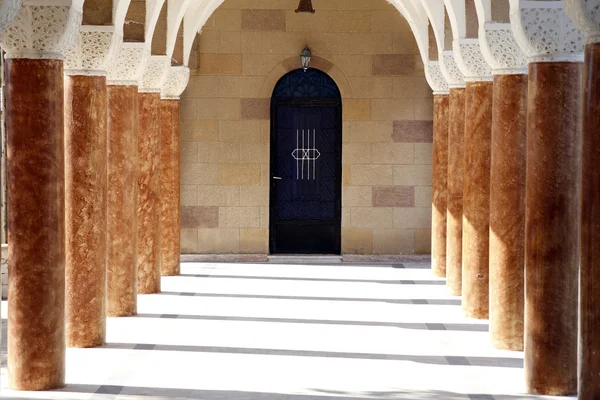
(129, 65)
(544, 32)
(450, 70)
(93, 51)
(501, 50)
(8, 11)
(435, 78)
(155, 74)
(470, 61)
(42, 31)
(176, 82)
(586, 16)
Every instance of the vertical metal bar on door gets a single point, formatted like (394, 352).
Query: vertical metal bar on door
(308, 155)
(302, 154)
(297, 163)
(314, 154)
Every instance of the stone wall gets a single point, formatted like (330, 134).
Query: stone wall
(368, 49)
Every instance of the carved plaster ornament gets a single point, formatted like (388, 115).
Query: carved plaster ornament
(501, 50)
(129, 65)
(544, 31)
(470, 61)
(454, 77)
(8, 11)
(435, 78)
(585, 14)
(176, 82)
(93, 51)
(41, 32)
(155, 74)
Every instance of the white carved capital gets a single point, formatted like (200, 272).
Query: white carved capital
(470, 61)
(129, 65)
(435, 78)
(176, 83)
(501, 50)
(41, 31)
(450, 70)
(8, 11)
(155, 74)
(93, 51)
(544, 31)
(586, 16)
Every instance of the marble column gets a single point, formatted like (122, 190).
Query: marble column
(507, 211)
(36, 223)
(440, 184)
(476, 199)
(148, 201)
(456, 142)
(589, 356)
(552, 227)
(169, 190)
(122, 200)
(85, 209)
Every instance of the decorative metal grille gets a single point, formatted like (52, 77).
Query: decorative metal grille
(310, 84)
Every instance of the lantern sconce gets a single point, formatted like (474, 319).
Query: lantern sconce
(305, 56)
(305, 6)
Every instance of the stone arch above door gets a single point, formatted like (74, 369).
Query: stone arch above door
(320, 63)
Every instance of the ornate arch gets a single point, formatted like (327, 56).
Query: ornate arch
(197, 17)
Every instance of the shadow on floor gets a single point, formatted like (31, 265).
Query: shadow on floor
(438, 302)
(123, 392)
(284, 278)
(402, 325)
(504, 362)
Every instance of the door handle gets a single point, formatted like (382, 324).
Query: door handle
(277, 178)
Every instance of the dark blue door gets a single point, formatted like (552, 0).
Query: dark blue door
(306, 165)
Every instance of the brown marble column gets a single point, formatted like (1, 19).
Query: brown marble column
(552, 227)
(589, 354)
(122, 200)
(148, 201)
(440, 184)
(456, 142)
(36, 223)
(169, 190)
(507, 211)
(85, 209)
(476, 199)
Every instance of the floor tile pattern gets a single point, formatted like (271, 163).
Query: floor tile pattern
(293, 332)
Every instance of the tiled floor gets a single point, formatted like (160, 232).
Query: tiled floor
(294, 332)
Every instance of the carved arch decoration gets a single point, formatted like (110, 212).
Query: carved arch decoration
(158, 75)
(42, 31)
(586, 16)
(497, 42)
(130, 62)
(176, 10)
(417, 18)
(544, 31)
(436, 13)
(467, 51)
(8, 11)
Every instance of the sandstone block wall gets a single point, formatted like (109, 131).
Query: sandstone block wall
(368, 49)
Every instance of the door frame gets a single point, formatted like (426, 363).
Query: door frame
(306, 102)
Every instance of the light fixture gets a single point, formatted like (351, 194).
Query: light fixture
(305, 58)
(305, 6)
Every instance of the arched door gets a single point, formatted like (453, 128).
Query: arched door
(306, 165)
